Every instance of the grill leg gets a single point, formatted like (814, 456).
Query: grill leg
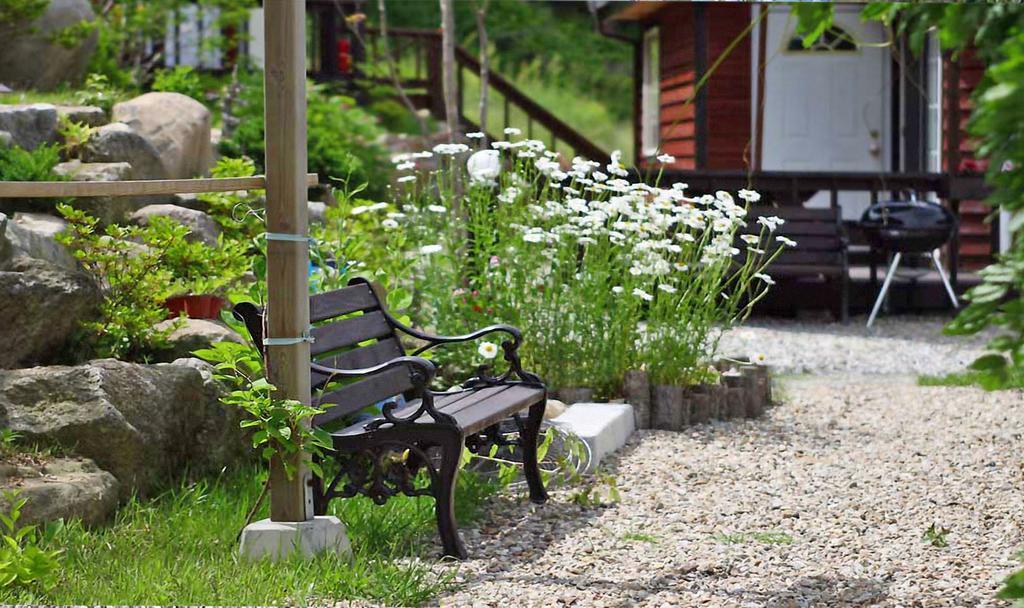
(945, 279)
(885, 287)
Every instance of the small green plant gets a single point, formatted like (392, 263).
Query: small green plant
(180, 79)
(240, 213)
(936, 536)
(22, 562)
(767, 538)
(8, 439)
(74, 135)
(280, 426)
(597, 490)
(98, 91)
(640, 537)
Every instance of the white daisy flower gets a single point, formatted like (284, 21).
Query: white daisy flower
(475, 135)
(437, 208)
(762, 276)
(488, 350)
(429, 249)
(666, 159)
(406, 179)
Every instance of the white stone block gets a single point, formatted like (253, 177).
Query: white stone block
(604, 427)
(279, 540)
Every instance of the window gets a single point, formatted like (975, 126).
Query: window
(650, 107)
(833, 40)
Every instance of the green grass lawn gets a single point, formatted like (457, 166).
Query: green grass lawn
(967, 378)
(181, 548)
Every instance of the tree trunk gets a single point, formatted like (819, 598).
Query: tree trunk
(485, 68)
(451, 92)
(393, 69)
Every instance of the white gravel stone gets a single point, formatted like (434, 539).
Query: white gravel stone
(822, 502)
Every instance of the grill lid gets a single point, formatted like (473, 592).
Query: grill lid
(908, 226)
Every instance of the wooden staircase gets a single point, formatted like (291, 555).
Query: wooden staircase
(416, 55)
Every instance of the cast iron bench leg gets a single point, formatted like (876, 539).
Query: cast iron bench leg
(531, 469)
(450, 443)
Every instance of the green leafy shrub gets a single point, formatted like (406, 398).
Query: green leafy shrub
(342, 138)
(22, 562)
(21, 165)
(129, 265)
(180, 79)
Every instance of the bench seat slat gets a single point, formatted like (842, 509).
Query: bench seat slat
(472, 410)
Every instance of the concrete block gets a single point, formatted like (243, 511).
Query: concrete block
(279, 540)
(604, 427)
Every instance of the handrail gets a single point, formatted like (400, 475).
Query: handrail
(428, 42)
(558, 128)
(141, 187)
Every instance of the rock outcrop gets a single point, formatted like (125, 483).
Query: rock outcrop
(41, 305)
(119, 143)
(33, 59)
(192, 334)
(202, 227)
(60, 488)
(145, 424)
(34, 235)
(29, 126)
(177, 127)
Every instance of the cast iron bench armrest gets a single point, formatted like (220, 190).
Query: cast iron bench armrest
(422, 366)
(514, 333)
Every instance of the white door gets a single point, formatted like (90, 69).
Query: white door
(827, 107)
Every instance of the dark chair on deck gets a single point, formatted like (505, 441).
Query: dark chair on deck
(413, 443)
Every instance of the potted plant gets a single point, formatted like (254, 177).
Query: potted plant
(202, 276)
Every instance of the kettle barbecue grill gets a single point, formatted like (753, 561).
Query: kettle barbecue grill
(911, 227)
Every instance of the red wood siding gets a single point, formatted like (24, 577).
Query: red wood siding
(975, 234)
(678, 76)
(728, 89)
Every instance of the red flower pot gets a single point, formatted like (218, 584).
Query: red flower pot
(195, 306)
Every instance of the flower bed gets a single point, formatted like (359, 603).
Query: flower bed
(602, 274)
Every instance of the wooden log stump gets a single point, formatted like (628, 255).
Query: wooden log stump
(638, 394)
(752, 388)
(669, 409)
(735, 400)
(700, 404)
(717, 401)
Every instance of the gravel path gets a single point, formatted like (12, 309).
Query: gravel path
(904, 344)
(824, 501)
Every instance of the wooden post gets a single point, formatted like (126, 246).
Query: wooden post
(287, 261)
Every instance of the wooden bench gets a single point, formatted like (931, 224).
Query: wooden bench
(821, 251)
(413, 443)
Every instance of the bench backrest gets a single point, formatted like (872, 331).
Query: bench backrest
(818, 233)
(350, 332)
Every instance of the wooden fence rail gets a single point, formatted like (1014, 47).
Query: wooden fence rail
(144, 187)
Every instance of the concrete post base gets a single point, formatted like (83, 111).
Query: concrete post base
(278, 540)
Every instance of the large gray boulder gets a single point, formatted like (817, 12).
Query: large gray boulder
(34, 235)
(41, 305)
(178, 128)
(190, 335)
(145, 424)
(202, 227)
(117, 142)
(29, 126)
(33, 59)
(60, 488)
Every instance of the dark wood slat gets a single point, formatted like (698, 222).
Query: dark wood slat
(341, 302)
(795, 213)
(349, 332)
(793, 257)
(795, 230)
(803, 270)
(473, 398)
(361, 357)
(485, 413)
(354, 397)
